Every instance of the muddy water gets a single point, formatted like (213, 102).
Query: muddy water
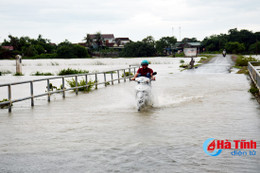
(102, 132)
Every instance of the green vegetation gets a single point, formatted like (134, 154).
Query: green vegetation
(5, 72)
(179, 55)
(205, 58)
(243, 61)
(72, 83)
(42, 74)
(71, 71)
(5, 105)
(182, 61)
(109, 72)
(184, 66)
(18, 74)
(235, 41)
(41, 48)
(127, 74)
(138, 49)
(254, 90)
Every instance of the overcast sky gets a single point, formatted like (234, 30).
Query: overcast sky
(58, 20)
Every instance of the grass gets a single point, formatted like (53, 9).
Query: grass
(182, 61)
(184, 65)
(241, 62)
(72, 71)
(205, 58)
(5, 72)
(42, 74)
(72, 83)
(255, 92)
(18, 74)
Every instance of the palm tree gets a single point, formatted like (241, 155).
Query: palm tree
(99, 40)
(89, 40)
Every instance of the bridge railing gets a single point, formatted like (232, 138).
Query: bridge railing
(254, 68)
(115, 76)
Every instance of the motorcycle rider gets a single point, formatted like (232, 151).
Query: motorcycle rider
(144, 71)
(224, 52)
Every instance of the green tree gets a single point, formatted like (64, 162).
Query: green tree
(149, 40)
(235, 47)
(163, 43)
(255, 48)
(138, 49)
(99, 40)
(88, 40)
(30, 51)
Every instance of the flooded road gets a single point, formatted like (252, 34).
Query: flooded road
(102, 131)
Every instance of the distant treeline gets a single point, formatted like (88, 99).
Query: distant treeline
(41, 48)
(236, 42)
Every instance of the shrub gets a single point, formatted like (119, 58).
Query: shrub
(71, 71)
(72, 83)
(42, 74)
(243, 61)
(182, 61)
(235, 47)
(47, 56)
(254, 90)
(5, 105)
(127, 74)
(5, 72)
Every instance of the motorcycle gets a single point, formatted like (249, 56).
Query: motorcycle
(143, 92)
(224, 53)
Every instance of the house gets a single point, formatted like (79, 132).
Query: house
(108, 38)
(110, 41)
(8, 47)
(179, 46)
(122, 41)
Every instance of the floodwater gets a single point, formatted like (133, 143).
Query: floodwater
(102, 131)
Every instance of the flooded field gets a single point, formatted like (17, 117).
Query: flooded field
(102, 131)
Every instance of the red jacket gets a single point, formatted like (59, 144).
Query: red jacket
(144, 72)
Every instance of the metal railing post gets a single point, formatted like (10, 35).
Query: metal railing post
(96, 81)
(129, 74)
(63, 87)
(76, 82)
(118, 76)
(112, 80)
(48, 89)
(105, 80)
(86, 77)
(32, 97)
(124, 76)
(9, 98)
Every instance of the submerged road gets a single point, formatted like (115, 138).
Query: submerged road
(102, 132)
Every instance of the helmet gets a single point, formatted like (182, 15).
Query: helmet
(144, 62)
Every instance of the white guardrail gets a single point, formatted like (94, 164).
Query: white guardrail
(254, 69)
(115, 75)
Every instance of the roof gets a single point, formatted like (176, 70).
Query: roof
(8, 47)
(194, 43)
(122, 38)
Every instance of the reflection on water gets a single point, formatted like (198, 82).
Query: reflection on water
(102, 131)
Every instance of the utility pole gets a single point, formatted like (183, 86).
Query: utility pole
(180, 33)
